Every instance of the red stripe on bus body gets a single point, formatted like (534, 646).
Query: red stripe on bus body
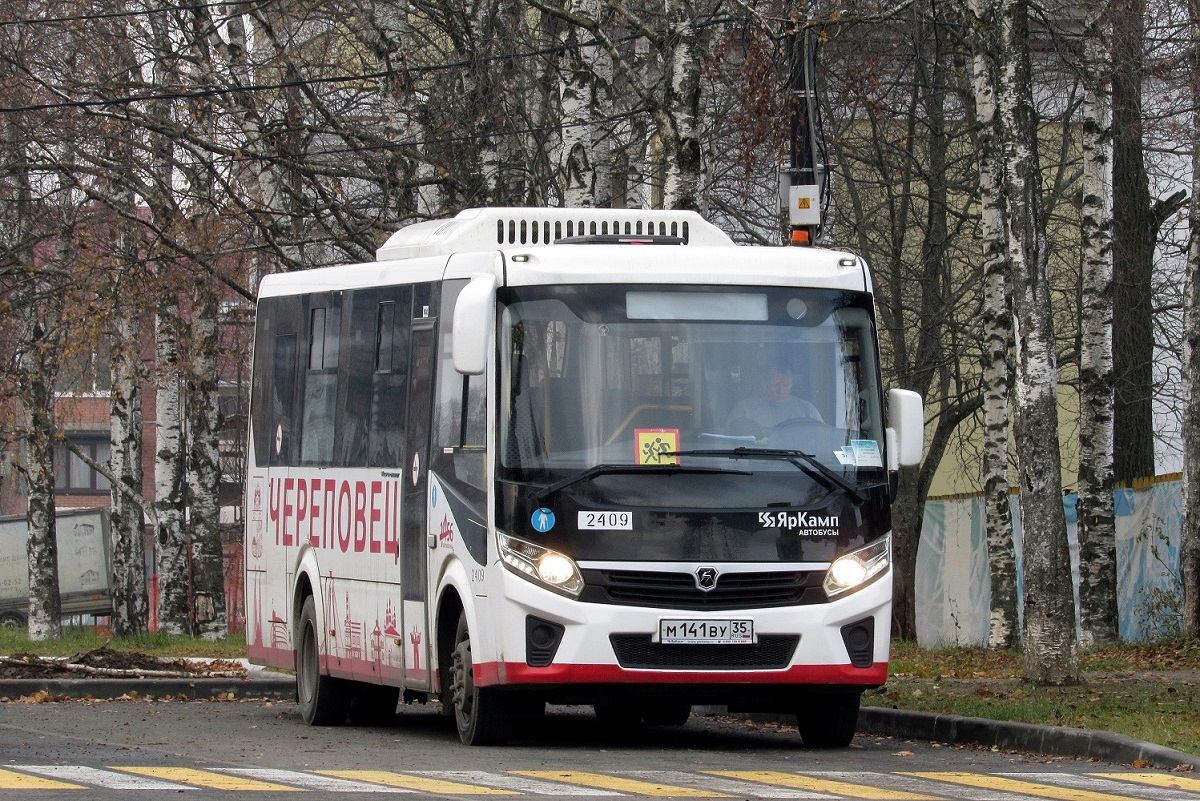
(497, 673)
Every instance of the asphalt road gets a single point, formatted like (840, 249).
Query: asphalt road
(244, 749)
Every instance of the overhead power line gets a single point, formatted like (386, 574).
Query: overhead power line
(248, 88)
(125, 14)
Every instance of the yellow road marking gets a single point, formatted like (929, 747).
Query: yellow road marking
(415, 782)
(801, 782)
(606, 782)
(19, 781)
(1018, 786)
(203, 778)
(1170, 781)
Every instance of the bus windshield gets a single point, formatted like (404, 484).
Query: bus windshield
(753, 380)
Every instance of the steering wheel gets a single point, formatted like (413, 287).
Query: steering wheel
(796, 422)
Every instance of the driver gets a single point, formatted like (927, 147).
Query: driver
(774, 406)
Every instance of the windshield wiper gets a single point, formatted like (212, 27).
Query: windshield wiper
(550, 490)
(804, 461)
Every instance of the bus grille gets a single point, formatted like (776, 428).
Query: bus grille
(771, 652)
(679, 590)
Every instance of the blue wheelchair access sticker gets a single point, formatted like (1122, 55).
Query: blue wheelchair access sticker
(542, 520)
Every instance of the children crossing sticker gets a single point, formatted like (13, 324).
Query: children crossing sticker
(654, 444)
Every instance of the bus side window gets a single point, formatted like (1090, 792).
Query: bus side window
(320, 385)
(389, 381)
(461, 432)
(283, 393)
(359, 356)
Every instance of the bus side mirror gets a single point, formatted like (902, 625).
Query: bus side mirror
(906, 413)
(474, 319)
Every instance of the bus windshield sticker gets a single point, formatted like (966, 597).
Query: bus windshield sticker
(542, 520)
(656, 445)
(606, 521)
(866, 453)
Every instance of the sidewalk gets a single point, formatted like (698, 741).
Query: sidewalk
(898, 723)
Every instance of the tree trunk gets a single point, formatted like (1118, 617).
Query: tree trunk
(997, 366)
(171, 562)
(906, 535)
(681, 150)
(1189, 551)
(1133, 235)
(127, 526)
(45, 605)
(1097, 533)
(1051, 652)
(204, 469)
(576, 170)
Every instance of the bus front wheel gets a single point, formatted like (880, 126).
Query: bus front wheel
(828, 721)
(479, 712)
(324, 700)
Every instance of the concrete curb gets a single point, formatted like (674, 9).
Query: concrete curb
(255, 686)
(899, 723)
(1033, 738)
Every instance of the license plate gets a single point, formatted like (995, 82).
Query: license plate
(709, 632)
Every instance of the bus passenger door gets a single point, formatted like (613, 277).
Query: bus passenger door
(416, 481)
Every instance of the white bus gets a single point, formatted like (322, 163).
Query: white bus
(578, 456)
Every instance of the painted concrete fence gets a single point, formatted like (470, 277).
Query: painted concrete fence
(953, 579)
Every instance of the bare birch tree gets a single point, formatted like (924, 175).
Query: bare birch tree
(40, 309)
(1189, 550)
(1051, 651)
(1097, 525)
(997, 363)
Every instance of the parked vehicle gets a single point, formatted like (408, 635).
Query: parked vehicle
(84, 565)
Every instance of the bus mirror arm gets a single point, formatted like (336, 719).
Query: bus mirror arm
(474, 318)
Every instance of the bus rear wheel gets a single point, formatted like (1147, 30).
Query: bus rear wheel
(480, 712)
(830, 720)
(324, 700)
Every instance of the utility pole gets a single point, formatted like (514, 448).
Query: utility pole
(802, 183)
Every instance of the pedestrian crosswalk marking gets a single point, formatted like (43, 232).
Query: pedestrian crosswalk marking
(421, 783)
(619, 785)
(897, 781)
(207, 779)
(732, 786)
(1097, 781)
(520, 784)
(102, 778)
(1168, 781)
(310, 781)
(822, 785)
(10, 780)
(1021, 786)
(606, 781)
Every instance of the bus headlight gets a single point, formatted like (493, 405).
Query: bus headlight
(551, 569)
(851, 570)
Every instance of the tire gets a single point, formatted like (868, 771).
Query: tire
(324, 700)
(13, 620)
(481, 713)
(372, 704)
(829, 721)
(666, 713)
